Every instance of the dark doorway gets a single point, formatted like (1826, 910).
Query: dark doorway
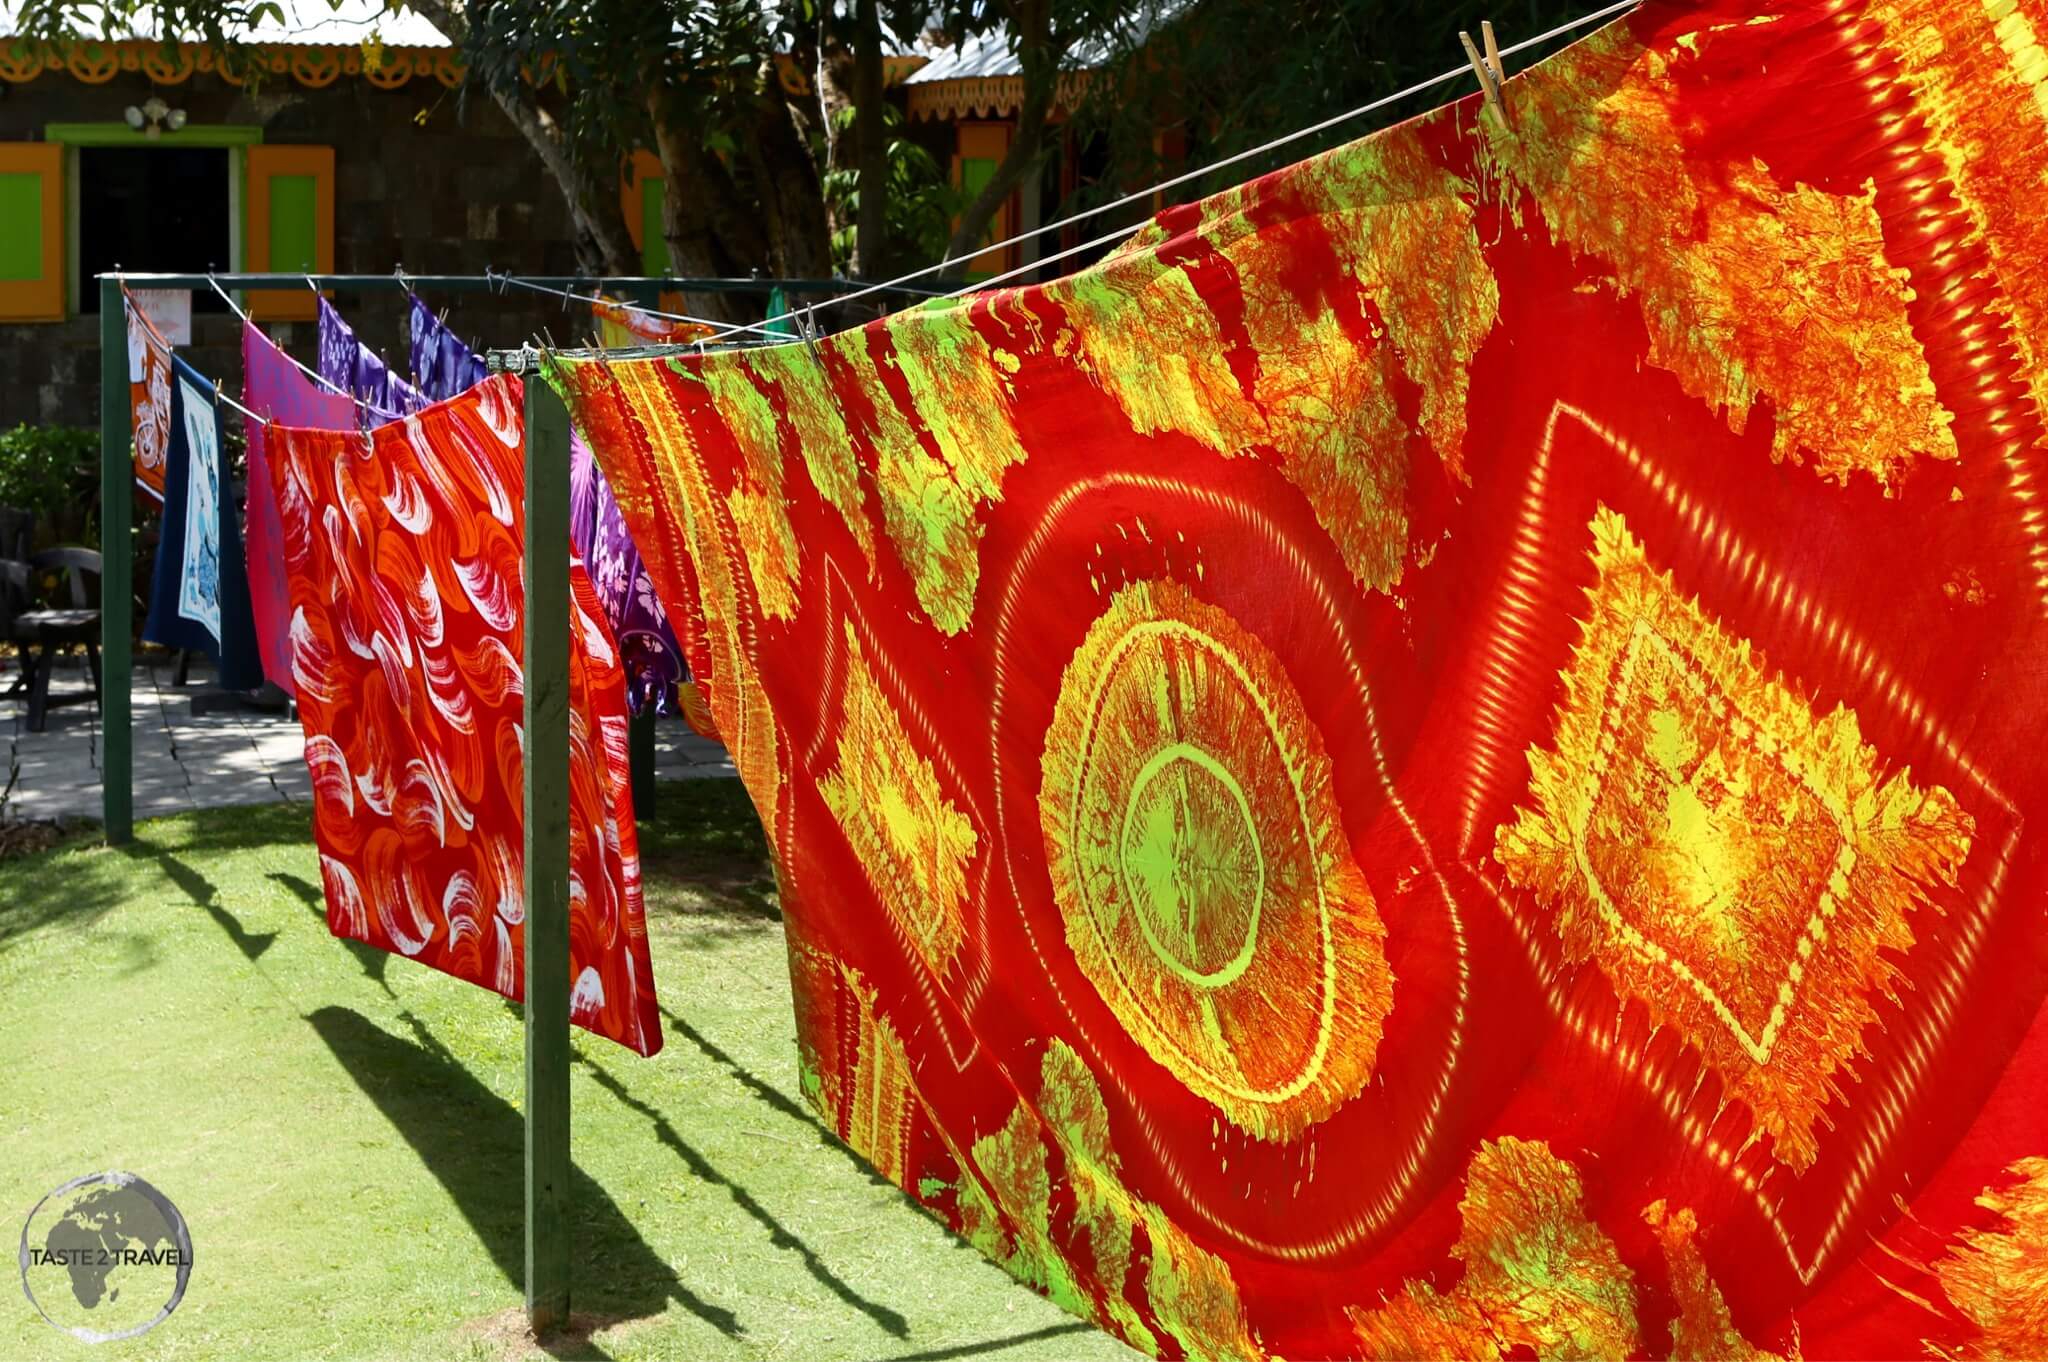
(152, 208)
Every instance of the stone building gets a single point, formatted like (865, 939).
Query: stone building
(331, 158)
(349, 147)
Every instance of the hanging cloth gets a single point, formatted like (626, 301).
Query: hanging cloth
(446, 365)
(355, 368)
(404, 548)
(1440, 755)
(275, 387)
(199, 591)
(442, 364)
(149, 398)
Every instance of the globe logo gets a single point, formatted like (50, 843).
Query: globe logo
(105, 1257)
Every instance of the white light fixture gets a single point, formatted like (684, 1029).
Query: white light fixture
(153, 117)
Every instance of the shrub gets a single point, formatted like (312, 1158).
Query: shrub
(53, 471)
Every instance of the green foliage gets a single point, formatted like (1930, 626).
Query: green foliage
(922, 203)
(53, 471)
(1235, 74)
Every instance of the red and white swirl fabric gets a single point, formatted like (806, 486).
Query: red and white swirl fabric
(403, 546)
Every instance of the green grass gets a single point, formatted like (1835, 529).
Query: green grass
(342, 1131)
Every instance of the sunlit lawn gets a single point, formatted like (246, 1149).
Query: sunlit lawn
(342, 1128)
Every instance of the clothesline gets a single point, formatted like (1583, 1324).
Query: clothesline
(1186, 177)
(319, 378)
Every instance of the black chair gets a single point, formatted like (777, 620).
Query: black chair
(17, 532)
(77, 623)
(13, 603)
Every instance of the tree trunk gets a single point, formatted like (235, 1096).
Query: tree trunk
(785, 180)
(686, 220)
(837, 93)
(871, 138)
(603, 246)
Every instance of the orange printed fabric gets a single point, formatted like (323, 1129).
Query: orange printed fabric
(404, 546)
(149, 398)
(1441, 756)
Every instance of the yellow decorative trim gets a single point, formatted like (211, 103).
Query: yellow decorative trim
(988, 97)
(313, 67)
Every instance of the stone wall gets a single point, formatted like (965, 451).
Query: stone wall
(424, 176)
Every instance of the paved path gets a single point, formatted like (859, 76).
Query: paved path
(185, 762)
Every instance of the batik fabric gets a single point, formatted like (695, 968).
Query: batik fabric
(277, 390)
(442, 363)
(199, 590)
(149, 398)
(621, 326)
(404, 547)
(355, 368)
(1433, 759)
(655, 669)
(445, 365)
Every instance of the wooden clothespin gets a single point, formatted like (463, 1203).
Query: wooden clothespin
(1490, 69)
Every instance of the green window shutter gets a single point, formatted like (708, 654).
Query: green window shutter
(294, 219)
(975, 173)
(653, 244)
(21, 226)
(31, 231)
(290, 224)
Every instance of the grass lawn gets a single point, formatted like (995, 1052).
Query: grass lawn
(342, 1130)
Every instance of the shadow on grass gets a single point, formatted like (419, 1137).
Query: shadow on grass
(781, 1102)
(372, 960)
(206, 894)
(474, 1143)
(778, 1233)
(72, 886)
(991, 1345)
(706, 838)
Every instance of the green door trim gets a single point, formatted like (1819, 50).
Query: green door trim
(121, 135)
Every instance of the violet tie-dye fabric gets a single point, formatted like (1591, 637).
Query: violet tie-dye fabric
(442, 364)
(654, 661)
(347, 363)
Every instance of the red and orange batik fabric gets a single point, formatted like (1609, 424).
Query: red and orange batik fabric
(403, 547)
(1437, 758)
(149, 398)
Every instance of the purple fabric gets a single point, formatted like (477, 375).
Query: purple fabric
(654, 662)
(347, 363)
(442, 364)
(273, 386)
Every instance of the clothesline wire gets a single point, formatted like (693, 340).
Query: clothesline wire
(599, 300)
(1236, 158)
(316, 376)
(128, 307)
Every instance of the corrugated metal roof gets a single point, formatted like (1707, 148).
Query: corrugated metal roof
(987, 55)
(307, 23)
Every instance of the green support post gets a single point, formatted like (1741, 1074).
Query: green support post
(117, 574)
(547, 856)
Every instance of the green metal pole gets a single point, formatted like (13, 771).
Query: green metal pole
(117, 574)
(547, 856)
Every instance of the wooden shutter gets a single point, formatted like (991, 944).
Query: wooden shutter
(31, 231)
(289, 225)
(982, 148)
(642, 187)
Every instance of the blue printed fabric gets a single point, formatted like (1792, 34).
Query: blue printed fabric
(199, 594)
(357, 369)
(442, 365)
